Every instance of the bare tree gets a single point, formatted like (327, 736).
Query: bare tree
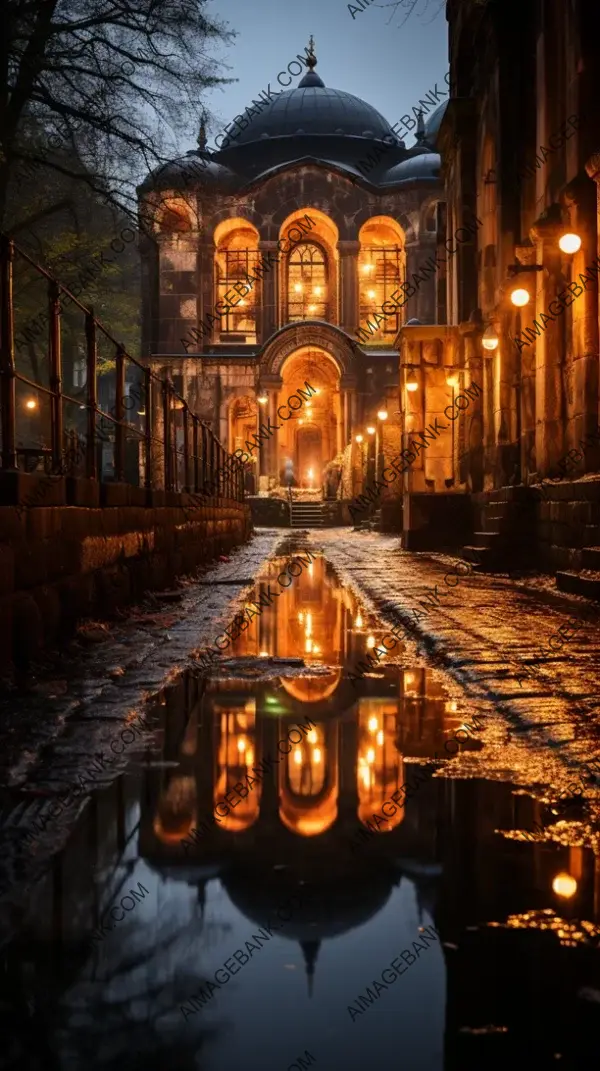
(408, 6)
(110, 82)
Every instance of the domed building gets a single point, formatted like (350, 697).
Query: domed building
(272, 256)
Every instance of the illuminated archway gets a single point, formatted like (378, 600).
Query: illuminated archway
(309, 783)
(236, 256)
(381, 271)
(309, 272)
(320, 412)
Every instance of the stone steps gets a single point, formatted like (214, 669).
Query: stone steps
(590, 558)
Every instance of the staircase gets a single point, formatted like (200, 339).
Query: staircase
(505, 538)
(306, 515)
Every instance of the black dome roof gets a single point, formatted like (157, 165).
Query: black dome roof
(316, 109)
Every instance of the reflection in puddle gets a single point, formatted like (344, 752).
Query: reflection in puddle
(517, 964)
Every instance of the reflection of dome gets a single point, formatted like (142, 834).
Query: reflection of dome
(312, 689)
(332, 905)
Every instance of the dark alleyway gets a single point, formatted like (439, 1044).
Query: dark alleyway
(279, 885)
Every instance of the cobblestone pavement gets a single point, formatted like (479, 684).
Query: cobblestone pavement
(483, 631)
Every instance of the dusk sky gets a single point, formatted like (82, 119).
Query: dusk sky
(387, 64)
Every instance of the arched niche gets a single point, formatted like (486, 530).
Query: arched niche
(309, 270)
(174, 218)
(236, 256)
(310, 436)
(381, 271)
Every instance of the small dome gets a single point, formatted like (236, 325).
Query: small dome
(424, 166)
(195, 168)
(433, 124)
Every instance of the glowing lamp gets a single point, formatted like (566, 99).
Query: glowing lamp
(520, 297)
(31, 403)
(317, 290)
(359, 438)
(370, 642)
(564, 885)
(382, 414)
(367, 268)
(262, 399)
(569, 243)
(312, 308)
(371, 294)
(490, 339)
(452, 379)
(412, 382)
(370, 430)
(298, 288)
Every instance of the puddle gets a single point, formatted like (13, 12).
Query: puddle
(280, 904)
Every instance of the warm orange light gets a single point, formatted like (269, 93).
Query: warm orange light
(412, 383)
(373, 725)
(520, 297)
(317, 290)
(564, 885)
(241, 744)
(380, 738)
(366, 268)
(317, 754)
(370, 641)
(298, 288)
(370, 430)
(371, 294)
(264, 654)
(308, 646)
(370, 756)
(490, 339)
(312, 308)
(358, 622)
(262, 399)
(298, 757)
(312, 737)
(452, 379)
(31, 403)
(358, 438)
(382, 414)
(570, 243)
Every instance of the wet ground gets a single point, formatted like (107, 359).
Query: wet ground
(147, 921)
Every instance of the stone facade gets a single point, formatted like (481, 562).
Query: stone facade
(367, 227)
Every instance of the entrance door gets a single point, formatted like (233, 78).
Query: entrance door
(309, 456)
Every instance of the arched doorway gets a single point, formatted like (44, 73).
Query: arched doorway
(309, 455)
(311, 437)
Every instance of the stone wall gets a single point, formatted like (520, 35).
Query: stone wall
(60, 564)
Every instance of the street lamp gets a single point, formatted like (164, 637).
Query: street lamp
(520, 296)
(452, 379)
(370, 430)
(382, 414)
(358, 438)
(262, 399)
(569, 242)
(489, 340)
(412, 383)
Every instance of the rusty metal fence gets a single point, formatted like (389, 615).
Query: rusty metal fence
(132, 427)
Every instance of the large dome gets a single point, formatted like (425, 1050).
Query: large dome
(314, 109)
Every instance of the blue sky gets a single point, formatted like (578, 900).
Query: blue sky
(371, 55)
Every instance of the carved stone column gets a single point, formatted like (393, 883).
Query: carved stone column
(207, 296)
(268, 297)
(348, 252)
(549, 346)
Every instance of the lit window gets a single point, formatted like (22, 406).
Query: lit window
(380, 275)
(307, 283)
(235, 260)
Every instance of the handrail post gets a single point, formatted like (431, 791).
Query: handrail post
(203, 429)
(186, 448)
(119, 458)
(195, 450)
(148, 428)
(7, 355)
(167, 432)
(56, 413)
(91, 461)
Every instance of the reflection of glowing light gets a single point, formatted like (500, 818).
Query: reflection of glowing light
(317, 754)
(370, 756)
(409, 678)
(308, 629)
(564, 885)
(359, 621)
(310, 569)
(249, 757)
(370, 641)
(380, 737)
(312, 737)
(298, 757)
(365, 773)
(316, 650)
(454, 706)
(241, 745)
(301, 617)
(373, 725)
(264, 654)
(308, 646)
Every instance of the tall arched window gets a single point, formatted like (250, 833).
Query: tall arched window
(381, 270)
(307, 283)
(236, 257)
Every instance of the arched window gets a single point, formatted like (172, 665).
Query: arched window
(307, 283)
(381, 269)
(236, 256)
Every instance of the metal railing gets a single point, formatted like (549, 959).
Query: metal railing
(163, 445)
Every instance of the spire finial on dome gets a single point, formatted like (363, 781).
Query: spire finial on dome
(311, 59)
